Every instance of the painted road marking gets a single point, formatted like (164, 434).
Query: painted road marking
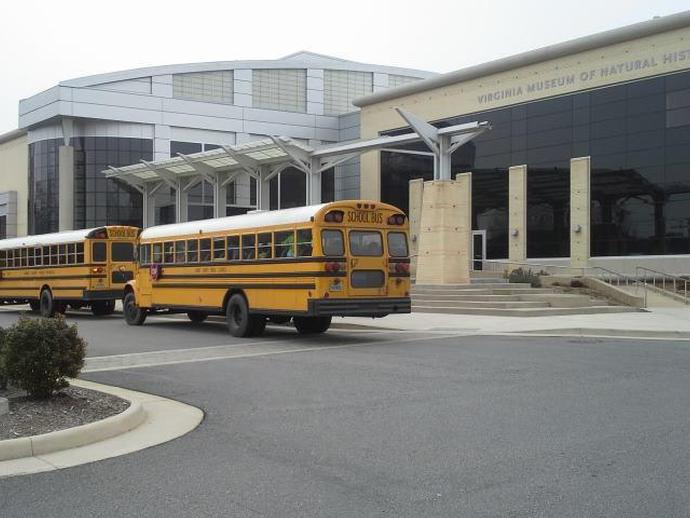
(225, 352)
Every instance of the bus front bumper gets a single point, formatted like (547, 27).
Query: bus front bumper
(374, 307)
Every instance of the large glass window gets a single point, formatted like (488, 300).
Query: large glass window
(44, 200)
(122, 252)
(99, 252)
(638, 138)
(366, 243)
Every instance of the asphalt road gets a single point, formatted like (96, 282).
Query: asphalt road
(385, 424)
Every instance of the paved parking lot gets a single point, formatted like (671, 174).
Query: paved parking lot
(377, 423)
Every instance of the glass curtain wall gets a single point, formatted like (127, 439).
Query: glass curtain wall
(638, 137)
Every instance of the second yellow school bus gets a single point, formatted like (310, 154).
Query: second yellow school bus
(75, 268)
(307, 264)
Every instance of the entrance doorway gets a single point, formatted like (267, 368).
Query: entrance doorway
(478, 249)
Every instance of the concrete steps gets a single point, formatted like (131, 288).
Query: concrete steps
(492, 296)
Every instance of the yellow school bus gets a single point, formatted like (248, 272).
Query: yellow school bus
(76, 268)
(307, 264)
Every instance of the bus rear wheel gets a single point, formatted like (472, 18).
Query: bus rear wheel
(312, 325)
(134, 315)
(101, 308)
(197, 317)
(46, 304)
(240, 322)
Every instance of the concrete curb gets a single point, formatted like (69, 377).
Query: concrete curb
(150, 420)
(74, 437)
(605, 333)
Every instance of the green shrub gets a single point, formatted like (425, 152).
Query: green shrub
(41, 352)
(520, 275)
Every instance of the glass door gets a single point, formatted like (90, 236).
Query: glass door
(478, 249)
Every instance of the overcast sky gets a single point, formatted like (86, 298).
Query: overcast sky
(46, 42)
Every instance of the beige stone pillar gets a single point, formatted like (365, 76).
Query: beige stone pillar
(414, 214)
(517, 216)
(445, 231)
(66, 188)
(370, 176)
(580, 196)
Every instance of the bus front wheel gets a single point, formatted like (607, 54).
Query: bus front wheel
(101, 308)
(241, 323)
(134, 315)
(312, 325)
(197, 317)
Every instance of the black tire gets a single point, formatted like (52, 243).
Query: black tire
(312, 325)
(134, 315)
(46, 304)
(35, 305)
(101, 308)
(197, 317)
(237, 316)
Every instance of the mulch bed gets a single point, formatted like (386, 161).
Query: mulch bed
(70, 407)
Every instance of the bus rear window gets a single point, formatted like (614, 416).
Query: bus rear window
(122, 252)
(366, 243)
(332, 242)
(397, 244)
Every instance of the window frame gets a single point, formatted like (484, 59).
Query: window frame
(215, 249)
(349, 242)
(388, 243)
(342, 242)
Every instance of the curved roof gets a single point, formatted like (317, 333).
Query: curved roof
(55, 238)
(594, 41)
(253, 220)
(301, 60)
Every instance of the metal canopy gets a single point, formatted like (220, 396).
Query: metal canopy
(264, 159)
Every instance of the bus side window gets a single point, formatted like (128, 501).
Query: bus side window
(24, 254)
(248, 246)
(157, 255)
(10, 258)
(168, 252)
(63, 254)
(285, 243)
(304, 247)
(144, 254)
(80, 254)
(192, 251)
(233, 248)
(180, 252)
(38, 260)
(46, 255)
(99, 252)
(219, 249)
(3, 258)
(30, 252)
(71, 253)
(204, 250)
(265, 247)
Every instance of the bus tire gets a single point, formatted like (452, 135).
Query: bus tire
(35, 306)
(102, 308)
(134, 315)
(312, 325)
(46, 304)
(240, 323)
(197, 317)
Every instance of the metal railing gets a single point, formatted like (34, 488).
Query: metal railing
(673, 284)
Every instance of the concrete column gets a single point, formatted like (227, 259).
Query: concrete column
(180, 203)
(263, 198)
(219, 198)
(370, 176)
(66, 188)
(414, 213)
(445, 231)
(314, 184)
(580, 196)
(148, 206)
(517, 215)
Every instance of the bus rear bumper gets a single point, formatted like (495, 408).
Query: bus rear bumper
(375, 307)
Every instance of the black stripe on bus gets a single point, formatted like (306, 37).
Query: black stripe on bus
(55, 277)
(250, 275)
(238, 286)
(399, 274)
(52, 288)
(278, 260)
(48, 266)
(399, 260)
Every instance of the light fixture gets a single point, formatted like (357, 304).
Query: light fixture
(514, 232)
(577, 229)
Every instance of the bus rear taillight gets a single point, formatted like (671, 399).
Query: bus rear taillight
(333, 267)
(398, 268)
(334, 216)
(97, 270)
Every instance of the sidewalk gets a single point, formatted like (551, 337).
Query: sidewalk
(657, 322)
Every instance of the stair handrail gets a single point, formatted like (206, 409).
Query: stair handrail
(674, 280)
